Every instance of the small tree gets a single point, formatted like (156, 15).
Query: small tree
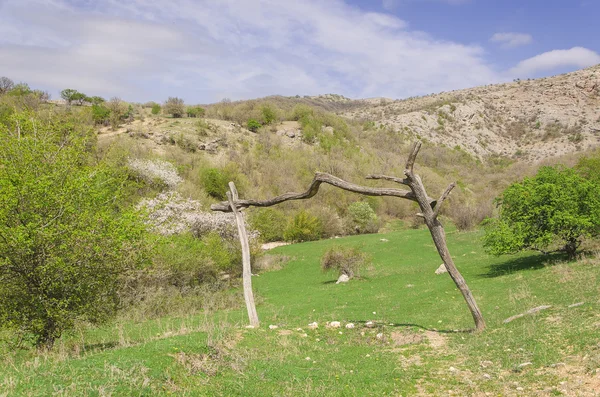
(174, 106)
(79, 97)
(268, 114)
(95, 100)
(118, 110)
(362, 218)
(556, 208)
(303, 227)
(6, 85)
(66, 237)
(69, 95)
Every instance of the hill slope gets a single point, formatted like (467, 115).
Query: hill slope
(532, 119)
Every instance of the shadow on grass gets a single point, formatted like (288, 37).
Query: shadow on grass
(95, 347)
(410, 325)
(531, 262)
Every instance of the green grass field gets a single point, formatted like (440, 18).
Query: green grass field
(421, 316)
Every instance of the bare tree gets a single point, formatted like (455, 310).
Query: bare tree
(6, 85)
(430, 210)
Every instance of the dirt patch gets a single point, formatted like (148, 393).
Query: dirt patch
(405, 338)
(436, 340)
(576, 380)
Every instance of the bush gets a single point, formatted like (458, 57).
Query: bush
(67, 239)
(303, 227)
(156, 108)
(195, 111)
(253, 125)
(100, 114)
(215, 181)
(346, 260)
(362, 218)
(268, 114)
(556, 207)
(269, 222)
(174, 106)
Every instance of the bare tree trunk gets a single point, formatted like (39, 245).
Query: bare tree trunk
(429, 212)
(246, 269)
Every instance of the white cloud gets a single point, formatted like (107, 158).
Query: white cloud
(207, 50)
(577, 57)
(391, 5)
(512, 40)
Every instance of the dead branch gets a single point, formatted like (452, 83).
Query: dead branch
(313, 189)
(443, 197)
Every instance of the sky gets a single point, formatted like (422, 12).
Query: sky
(205, 51)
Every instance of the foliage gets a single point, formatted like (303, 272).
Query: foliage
(589, 168)
(100, 114)
(66, 238)
(195, 111)
(268, 114)
(346, 260)
(269, 222)
(362, 218)
(96, 100)
(70, 95)
(6, 85)
(215, 181)
(118, 111)
(174, 106)
(156, 108)
(253, 125)
(303, 227)
(557, 206)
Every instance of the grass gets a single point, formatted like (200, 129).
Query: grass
(417, 314)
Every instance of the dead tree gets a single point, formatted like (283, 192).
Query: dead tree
(430, 210)
(232, 197)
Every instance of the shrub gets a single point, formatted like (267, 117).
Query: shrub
(215, 181)
(253, 125)
(67, 238)
(268, 114)
(174, 106)
(346, 260)
(195, 111)
(100, 114)
(156, 108)
(362, 218)
(269, 222)
(303, 227)
(556, 207)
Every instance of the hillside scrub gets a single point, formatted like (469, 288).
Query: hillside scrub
(345, 260)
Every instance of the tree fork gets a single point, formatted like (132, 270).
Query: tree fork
(430, 210)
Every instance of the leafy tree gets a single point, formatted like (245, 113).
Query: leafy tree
(589, 168)
(362, 218)
(174, 106)
(69, 95)
(156, 109)
(557, 207)
(253, 125)
(215, 182)
(118, 111)
(79, 97)
(269, 222)
(95, 100)
(6, 85)
(20, 89)
(65, 238)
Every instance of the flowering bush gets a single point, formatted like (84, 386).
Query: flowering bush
(151, 170)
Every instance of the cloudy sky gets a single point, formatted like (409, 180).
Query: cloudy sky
(204, 51)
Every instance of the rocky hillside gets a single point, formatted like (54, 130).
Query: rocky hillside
(530, 120)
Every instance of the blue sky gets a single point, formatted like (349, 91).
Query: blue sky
(204, 51)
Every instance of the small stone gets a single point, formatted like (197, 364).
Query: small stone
(452, 369)
(307, 358)
(314, 325)
(520, 389)
(374, 312)
(379, 336)
(441, 270)
(250, 326)
(343, 279)
(341, 333)
(487, 376)
(487, 363)
(525, 364)
(368, 355)
(384, 240)
(304, 335)
(333, 324)
(370, 324)
(349, 325)
(273, 326)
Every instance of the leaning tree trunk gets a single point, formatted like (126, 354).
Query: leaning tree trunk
(429, 212)
(246, 269)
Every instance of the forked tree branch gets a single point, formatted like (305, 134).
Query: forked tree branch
(388, 178)
(443, 197)
(313, 189)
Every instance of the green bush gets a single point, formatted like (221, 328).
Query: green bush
(100, 114)
(195, 111)
(346, 260)
(215, 181)
(362, 218)
(268, 114)
(156, 108)
(253, 125)
(557, 207)
(269, 222)
(303, 227)
(66, 238)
